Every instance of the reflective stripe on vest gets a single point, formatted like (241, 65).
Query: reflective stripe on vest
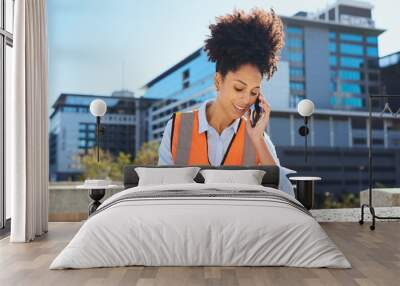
(188, 147)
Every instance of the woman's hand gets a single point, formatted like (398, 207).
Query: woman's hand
(256, 133)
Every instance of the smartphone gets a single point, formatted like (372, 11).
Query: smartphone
(256, 114)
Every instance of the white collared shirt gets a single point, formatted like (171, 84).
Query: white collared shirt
(217, 145)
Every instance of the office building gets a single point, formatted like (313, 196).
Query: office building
(390, 75)
(73, 129)
(330, 57)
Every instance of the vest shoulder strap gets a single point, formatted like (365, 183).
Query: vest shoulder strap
(172, 130)
(182, 125)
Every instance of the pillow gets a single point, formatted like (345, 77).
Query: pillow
(250, 177)
(285, 184)
(161, 176)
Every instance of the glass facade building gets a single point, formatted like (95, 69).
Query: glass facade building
(295, 51)
(330, 58)
(334, 53)
(73, 130)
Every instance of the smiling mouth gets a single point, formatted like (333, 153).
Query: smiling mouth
(239, 108)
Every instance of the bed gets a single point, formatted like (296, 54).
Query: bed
(201, 224)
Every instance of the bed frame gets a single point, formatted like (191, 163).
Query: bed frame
(270, 179)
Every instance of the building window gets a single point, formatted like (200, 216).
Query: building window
(351, 62)
(373, 63)
(70, 109)
(332, 47)
(332, 60)
(185, 79)
(333, 86)
(6, 63)
(359, 141)
(294, 30)
(296, 72)
(372, 52)
(82, 126)
(373, 90)
(350, 37)
(351, 49)
(332, 100)
(350, 88)
(377, 141)
(353, 102)
(295, 57)
(333, 74)
(373, 76)
(349, 75)
(372, 40)
(185, 74)
(295, 99)
(359, 123)
(297, 86)
(295, 43)
(332, 35)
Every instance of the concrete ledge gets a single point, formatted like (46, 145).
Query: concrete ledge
(381, 197)
(69, 204)
(66, 203)
(353, 214)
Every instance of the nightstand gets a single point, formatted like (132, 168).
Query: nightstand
(304, 190)
(96, 193)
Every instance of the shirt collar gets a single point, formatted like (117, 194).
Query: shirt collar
(203, 123)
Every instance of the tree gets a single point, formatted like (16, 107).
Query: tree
(342, 200)
(148, 154)
(116, 172)
(109, 167)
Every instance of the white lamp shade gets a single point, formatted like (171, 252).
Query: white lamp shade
(305, 107)
(98, 107)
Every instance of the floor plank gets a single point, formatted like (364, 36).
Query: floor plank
(374, 255)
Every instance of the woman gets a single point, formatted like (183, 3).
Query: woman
(245, 47)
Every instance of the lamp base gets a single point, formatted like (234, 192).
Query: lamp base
(97, 190)
(96, 195)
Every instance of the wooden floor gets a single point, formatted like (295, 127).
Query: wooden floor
(375, 257)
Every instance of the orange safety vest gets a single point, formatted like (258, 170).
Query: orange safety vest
(188, 147)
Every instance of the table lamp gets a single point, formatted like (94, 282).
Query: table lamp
(96, 187)
(98, 108)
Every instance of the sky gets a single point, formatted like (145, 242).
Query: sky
(99, 46)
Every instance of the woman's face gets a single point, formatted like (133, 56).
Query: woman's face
(239, 90)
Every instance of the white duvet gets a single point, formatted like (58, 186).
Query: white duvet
(183, 231)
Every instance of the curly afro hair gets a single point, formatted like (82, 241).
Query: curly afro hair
(239, 38)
